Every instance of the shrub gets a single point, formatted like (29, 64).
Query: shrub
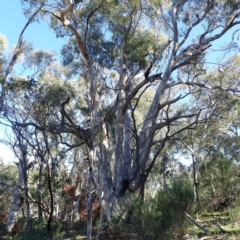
(38, 231)
(234, 213)
(159, 218)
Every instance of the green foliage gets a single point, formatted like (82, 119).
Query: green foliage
(84, 110)
(55, 94)
(139, 46)
(182, 193)
(38, 231)
(232, 4)
(234, 213)
(219, 183)
(3, 43)
(35, 231)
(19, 84)
(159, 218)
(217, 172)
(225, 169)
(7, 174)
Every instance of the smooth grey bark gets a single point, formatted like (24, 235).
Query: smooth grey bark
(89, 206)
(24, 164)
(17, 201)
(20, 193)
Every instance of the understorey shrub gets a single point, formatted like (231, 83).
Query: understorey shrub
(161, 217)
(38, 231)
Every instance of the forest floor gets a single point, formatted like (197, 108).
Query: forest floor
(218, 224)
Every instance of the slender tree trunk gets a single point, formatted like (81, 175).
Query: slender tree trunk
(39, 199)
(24, 165)
(90, 202)
(195, 182)
(28, 212)
(49, 181)
(13, 215)
(142, 187)
(89, 220)
(16, 203)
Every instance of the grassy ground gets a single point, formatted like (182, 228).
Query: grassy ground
(222, 226)
(219, 224)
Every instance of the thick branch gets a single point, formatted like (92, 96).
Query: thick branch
(8, 186)
(80, 42)
(138, 87)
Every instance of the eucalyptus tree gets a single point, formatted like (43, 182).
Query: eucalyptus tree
(194, 143)
(219, 134)
(8, 187)
(26, 99)
(119, 49)
(17, 141)
(18, 144)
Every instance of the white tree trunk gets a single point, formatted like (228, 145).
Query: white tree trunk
(17, 201)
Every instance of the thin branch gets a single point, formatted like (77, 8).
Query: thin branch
(17, 51)
(89, 16)
(173, 119)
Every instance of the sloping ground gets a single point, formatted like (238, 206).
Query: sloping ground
(222, 225)
(219, 224)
